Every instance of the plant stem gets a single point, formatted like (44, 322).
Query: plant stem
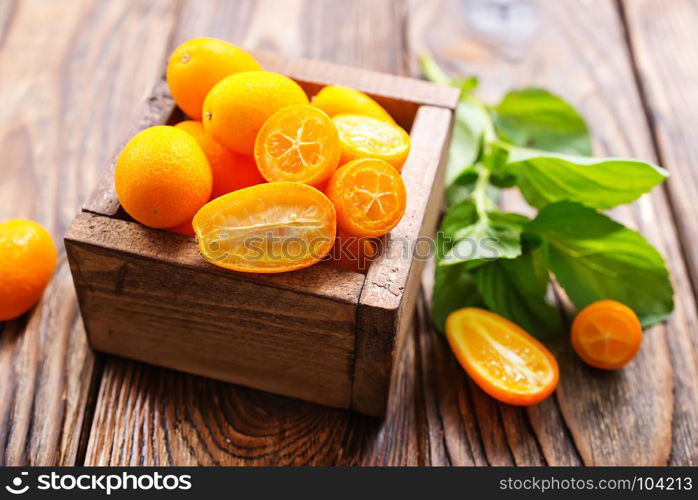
(482, 201)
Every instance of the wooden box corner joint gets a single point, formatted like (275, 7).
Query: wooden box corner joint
(320, 334)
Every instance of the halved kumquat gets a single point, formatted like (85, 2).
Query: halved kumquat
(505, 361)
(606, 334)
(267, 228)
(366, 137)
(298, 143)
(369, 196)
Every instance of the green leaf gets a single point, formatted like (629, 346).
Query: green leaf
(596, 182)
(462, 187)
(496, 236)
(454, 288)
(466, 139)
(516, 289)
(595, 258)
(535, 118)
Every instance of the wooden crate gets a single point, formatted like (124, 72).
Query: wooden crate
(320, 334)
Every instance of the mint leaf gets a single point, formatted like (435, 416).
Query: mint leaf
(495, 236)
(596, 182)
(516, 289)
(535, 118)
(466, 139)
(462, 187)
(454, 288)
(595, 258)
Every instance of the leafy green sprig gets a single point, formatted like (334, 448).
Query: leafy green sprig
(538, 143)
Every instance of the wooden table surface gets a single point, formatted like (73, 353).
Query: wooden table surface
(73, 75)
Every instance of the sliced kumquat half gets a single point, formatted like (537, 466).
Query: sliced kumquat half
(369, 196)
(504, 360)
(366, 137)
(606, 334)
(298, 143)
(267, 228)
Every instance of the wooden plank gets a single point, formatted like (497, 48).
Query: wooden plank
(648, 410)
(147, 415)
(663, 44)
(664, 47)
(66, 90)
(392, 282)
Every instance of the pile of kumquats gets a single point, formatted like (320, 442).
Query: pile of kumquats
(267, 180)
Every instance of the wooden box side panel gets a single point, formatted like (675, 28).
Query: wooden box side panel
(250, 332)
(392, 283)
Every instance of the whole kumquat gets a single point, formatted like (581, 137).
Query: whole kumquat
(369, 196)
(298, 143)
(237, 106)
(230, 170)
(268, 228)
(27, 262)
(606, 334)
(162, 177)
(197, 65)
(335, 100)
(366, 137)
(185, 228)
(504, 360)
(352, 253)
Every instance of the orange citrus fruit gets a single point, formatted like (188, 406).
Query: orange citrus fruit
(162, 177)
(197, 65)
(27, 262)
(230, 170)
(335, 99)
(606, 334)
(297, 143)
(369, 196)
(237, 106)
(267, 228)
(352, 253)
(185, 228)
(505, 361)
(366, 137)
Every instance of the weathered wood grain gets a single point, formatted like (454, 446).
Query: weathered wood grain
(661, 34)
(577, 49)
(134, 402)
(662, 42)
(67, 91)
